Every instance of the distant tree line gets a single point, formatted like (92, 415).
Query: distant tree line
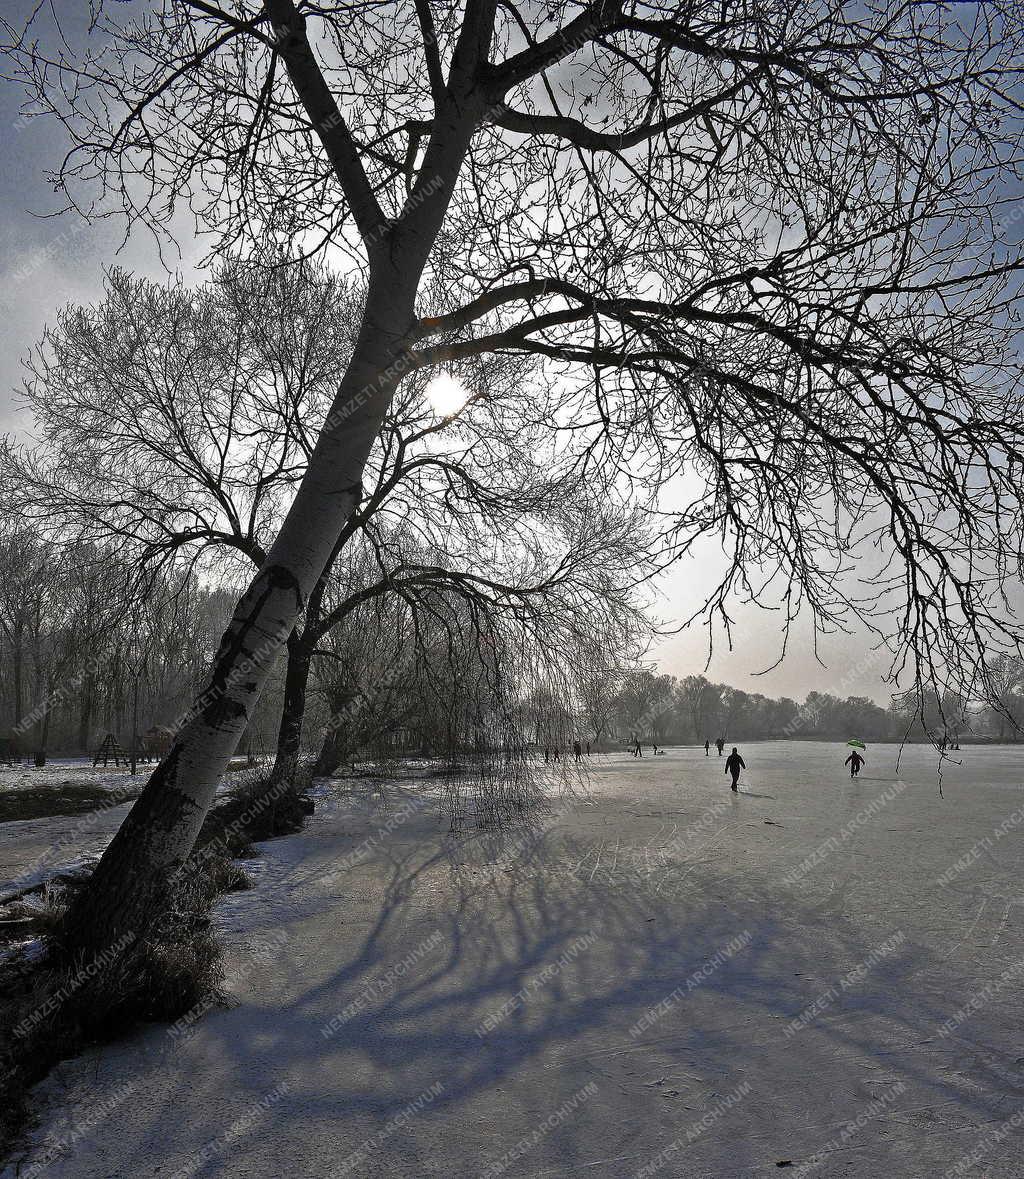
(86, 650)
(691, 710)
(91, 644)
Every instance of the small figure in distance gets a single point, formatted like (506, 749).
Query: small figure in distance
(854, 761)
(707, 748)
(733, 764)
(721, 745)
(637, 749)
(547, 753)
(588, 749)
(577, 750)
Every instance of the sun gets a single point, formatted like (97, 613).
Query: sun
(446, 395)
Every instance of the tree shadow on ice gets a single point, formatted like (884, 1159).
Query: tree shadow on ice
(513, 968)
(492, 957)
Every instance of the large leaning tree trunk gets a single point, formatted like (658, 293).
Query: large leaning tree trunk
(131, 883)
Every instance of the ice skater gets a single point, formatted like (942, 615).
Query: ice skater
(721, 745)
(733, 764)
(637, 748)
(577, 750)
(707, 748)
(854, 761)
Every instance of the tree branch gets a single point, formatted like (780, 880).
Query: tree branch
(599, 16)
(328, 121)
(586, 137)
(433, 60)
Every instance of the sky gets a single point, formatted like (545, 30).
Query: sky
(47, 262)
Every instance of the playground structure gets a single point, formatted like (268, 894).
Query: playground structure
(110, 748)
(146, 747)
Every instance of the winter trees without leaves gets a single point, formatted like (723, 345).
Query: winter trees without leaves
(758, 243)
(85, 639)
(172, 424)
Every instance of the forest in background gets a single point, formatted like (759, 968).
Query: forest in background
(86, 651)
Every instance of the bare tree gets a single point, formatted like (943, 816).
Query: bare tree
(599, 690)
(1006, 692)
(82, 618)
(760, 242)
(20, 577)
(174, 423)
(172, 420)
(701, 700)
(644, 703)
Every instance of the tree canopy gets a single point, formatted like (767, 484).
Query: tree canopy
(766, 243)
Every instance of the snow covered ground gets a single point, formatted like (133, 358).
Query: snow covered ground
(31, 850)
(61, 770)
(663, 979)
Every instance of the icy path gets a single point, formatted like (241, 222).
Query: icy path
(33, 850)
(672, 981)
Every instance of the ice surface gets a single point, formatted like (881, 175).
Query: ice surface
(77, 770)
(665, 978)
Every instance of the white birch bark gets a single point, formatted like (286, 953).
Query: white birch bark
(130, 882)
(160, 831)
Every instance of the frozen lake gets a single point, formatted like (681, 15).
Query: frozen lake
(816, 977)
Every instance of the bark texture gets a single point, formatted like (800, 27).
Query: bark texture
(293, 709)
(137, 872)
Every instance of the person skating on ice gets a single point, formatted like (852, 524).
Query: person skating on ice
(733, 764)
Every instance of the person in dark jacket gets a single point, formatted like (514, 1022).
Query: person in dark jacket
(733, 764)
(854, 761)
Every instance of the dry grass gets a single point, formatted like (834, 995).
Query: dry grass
(52, 1007)
(64, 798)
